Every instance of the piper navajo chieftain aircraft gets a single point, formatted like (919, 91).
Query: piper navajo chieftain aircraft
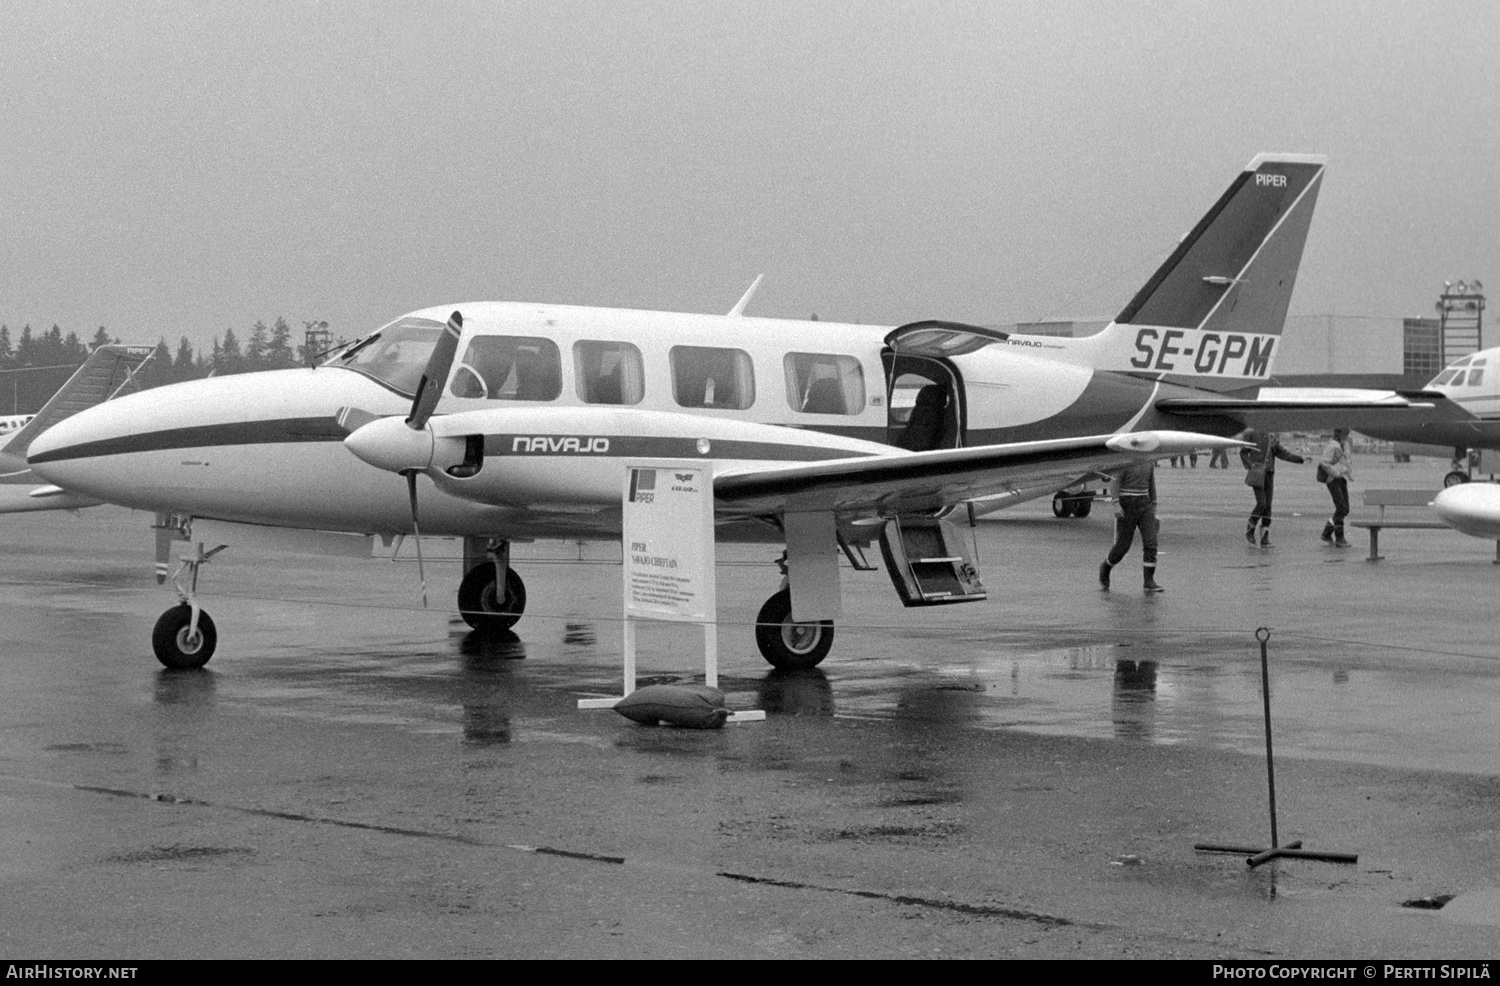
(515, 421)
(107, 371)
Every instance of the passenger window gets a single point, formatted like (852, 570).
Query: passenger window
(704, 376)
(608, 372)
(509, 368)
(820, 383)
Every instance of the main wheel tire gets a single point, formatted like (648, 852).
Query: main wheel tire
(482, 608)
(1062, 504)
(1082, 505)
(176, 646)
(789, 646)
(1454, 478)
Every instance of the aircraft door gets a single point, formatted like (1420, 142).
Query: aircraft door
(924, 401)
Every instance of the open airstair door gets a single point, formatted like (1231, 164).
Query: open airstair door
(924, 391)
(928, 560)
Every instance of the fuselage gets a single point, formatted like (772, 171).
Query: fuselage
(589, 388)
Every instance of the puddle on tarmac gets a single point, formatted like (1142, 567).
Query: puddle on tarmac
(1323, 705)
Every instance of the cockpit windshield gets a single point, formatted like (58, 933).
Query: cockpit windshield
(395, 355)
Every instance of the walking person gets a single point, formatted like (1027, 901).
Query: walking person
(1336, 469)
(1260, 475)
(1135, 494)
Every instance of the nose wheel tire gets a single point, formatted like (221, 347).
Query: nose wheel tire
(177, 645)
(1455, 478)
(482, 607)
(789, 646)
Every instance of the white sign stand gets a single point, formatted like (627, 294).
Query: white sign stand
(667, 536)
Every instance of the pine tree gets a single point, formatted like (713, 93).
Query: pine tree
(183, 367)
(51, 351)
(157, 372)
(26, 348)
(279, 355)
(232, 359)
(7, 354)
(101, 338)
(255, 349)
(74, 350)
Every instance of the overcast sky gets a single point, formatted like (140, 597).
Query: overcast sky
(178, 168)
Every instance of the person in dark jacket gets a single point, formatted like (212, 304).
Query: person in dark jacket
(1260, 475)
(1135, 492)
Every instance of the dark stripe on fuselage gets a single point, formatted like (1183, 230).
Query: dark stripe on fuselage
(655, 447)
(285, 431)
(278, 431)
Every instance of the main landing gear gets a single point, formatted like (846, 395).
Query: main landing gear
(481, 602)
(786, 645)
(185, 637)
(1072, 504)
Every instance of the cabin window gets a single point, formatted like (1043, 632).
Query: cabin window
(608, 372)
(821, 383)
(1476, 376)
(1445, 377)
(704, 376)
(509, 368)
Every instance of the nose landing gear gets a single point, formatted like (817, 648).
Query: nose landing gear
(184, 636)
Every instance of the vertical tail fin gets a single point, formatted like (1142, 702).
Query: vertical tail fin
(1216, 307)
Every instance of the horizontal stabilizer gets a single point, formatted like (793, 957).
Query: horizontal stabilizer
(1286, 408)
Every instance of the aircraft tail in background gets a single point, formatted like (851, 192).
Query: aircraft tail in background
(1214, 311)
(104, 374)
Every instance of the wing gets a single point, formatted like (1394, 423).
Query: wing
(905, 482)
(1297, 408)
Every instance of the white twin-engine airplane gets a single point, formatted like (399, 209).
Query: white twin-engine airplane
(819, 436)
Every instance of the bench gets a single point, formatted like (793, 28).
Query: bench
(1395, 498)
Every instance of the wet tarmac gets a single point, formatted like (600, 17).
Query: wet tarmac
(1023, 777)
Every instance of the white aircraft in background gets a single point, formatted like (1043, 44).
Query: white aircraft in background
(104, 374)
(1472, 386)
(819, 435)
(13, 422)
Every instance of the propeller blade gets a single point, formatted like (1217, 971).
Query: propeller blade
(411, 490)
(430, 388)
(351, 419)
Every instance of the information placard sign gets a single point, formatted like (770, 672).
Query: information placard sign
(668, 543)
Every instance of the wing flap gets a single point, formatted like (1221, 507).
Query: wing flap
(904, 482)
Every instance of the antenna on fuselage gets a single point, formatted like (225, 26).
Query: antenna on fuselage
(739, 308)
